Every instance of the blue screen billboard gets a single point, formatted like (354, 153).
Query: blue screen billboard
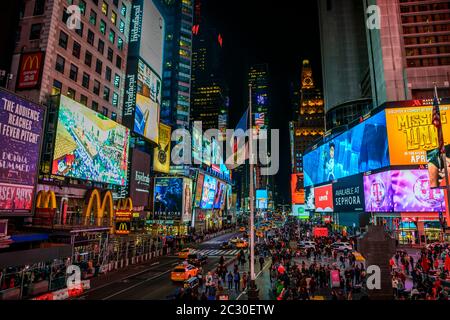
(209, 191)
(359, 149)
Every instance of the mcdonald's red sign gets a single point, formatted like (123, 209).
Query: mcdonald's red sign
(30, 68)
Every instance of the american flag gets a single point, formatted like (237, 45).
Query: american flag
(259, 119)
(437, 120)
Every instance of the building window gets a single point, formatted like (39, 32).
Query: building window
(95, 2)
(108, 74)
(118, 62)
(60, 63)
(94, 106)
(35, 32)
(57, 87)
(119, 43)
(73, 72)
(88, 58)
(106, 93)
(105, 8)
(116, 3)
(76, 50)
(105, 111)
(82, 5)
(123, 11)
(63, 38)
(93, 18)
(80, 30)
(101, 46)
(113, 17)
(39, 8)
(103, 27)
(116, 80)
(112, 36)
(122, 26)
(65, 16)
(96, 87)
(113, 116)
(99, 67)
(71, 93)
(86, 79)
(83, 100)
(110, 54)
(115, 100)
(90, 37)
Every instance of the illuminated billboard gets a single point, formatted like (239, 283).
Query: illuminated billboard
(402, 191)
(21, 125)
(262, 199)
(168, 198)
(297, 190)
(89, 146)
(30, 70)
(298, 210)
(198, 190)
(140, 178)
(219, 196)
(142, 100)
(360, 149)
(187, 200)
(348, 194)
(209, 191)
(324, 198)
(161, 158)
(309, 199)
(436, 167)
(411, 133)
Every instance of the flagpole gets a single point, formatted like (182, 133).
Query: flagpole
(252, 293)
(443, 157)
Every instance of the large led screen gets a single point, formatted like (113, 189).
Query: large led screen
(262, 199)
(148, 99)
(89, 146)
(323, 197)
(436, 167)
(297, 190)
(360, 149)
(412, 133)
(402, 191)
(187, 200)
(20, 138)
(412, 192)
(309, 199)
(220, 193)
(198, 190)
(209, 191)
(168, 198)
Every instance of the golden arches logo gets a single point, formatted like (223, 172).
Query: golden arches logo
(46, 200)
(99, 206)
(31, 61)
(123, 227)
(125, 204)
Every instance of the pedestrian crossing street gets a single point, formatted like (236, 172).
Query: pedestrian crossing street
(216, 252)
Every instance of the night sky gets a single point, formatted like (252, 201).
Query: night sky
(260, 31)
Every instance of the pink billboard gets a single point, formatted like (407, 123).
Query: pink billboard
(402, 191)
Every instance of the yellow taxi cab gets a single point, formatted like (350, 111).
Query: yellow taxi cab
(260, 234)
(359, 257)
(183, 272)
(183, 254)
(241, 244)
(242, 229)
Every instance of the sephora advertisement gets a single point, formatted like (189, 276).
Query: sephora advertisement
(348, 194)
(20, 138)
(402, 191)
(360, 149)
(140, 178)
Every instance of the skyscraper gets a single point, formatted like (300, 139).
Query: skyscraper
(86, 63)
(345, 61)
(410, 53)
(176, 86)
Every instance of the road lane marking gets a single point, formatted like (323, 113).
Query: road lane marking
(257, 276)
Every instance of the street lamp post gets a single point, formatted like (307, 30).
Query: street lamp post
(252, 293)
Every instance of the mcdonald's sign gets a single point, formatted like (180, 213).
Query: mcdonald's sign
(123, 227)
(30, 68)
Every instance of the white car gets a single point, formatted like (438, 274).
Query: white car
(307, 244)
(342, 246)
